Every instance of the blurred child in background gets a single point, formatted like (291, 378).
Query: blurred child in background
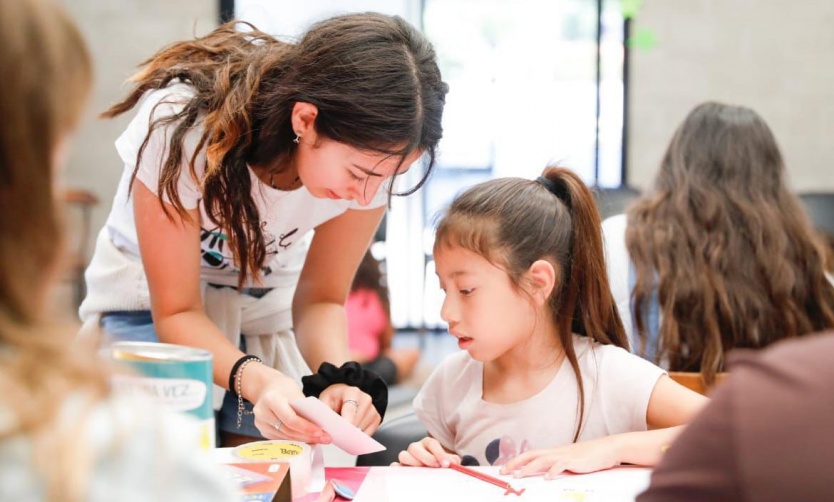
(370, 331)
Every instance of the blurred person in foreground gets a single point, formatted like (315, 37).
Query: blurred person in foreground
(63, 434)
(766, 434)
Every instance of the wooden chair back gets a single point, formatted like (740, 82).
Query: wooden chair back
(84, 201)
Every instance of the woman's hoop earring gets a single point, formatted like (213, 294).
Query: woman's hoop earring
(297, 138)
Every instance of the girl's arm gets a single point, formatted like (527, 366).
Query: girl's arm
(671, 405)
(170, 252)
(319, 316)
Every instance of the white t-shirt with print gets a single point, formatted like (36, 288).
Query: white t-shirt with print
(287, 217)
(618, 386)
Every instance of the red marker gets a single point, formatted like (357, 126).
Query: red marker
(489, 479)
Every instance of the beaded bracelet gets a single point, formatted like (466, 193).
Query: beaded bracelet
(237, 374)
(236, 368)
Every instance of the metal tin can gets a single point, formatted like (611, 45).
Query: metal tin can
(177, 377)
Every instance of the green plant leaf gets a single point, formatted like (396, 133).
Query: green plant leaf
(630, 8)
(643, 39)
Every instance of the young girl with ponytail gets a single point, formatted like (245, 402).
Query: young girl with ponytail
(241, 146)
(545, 382)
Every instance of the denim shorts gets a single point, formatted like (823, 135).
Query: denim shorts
(138, 327)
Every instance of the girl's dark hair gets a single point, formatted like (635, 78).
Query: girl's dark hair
(374, 79)
(369, 276)
(725, 244)
(513, 222)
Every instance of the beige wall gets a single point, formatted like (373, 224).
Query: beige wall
(121, 34)
(775, 56)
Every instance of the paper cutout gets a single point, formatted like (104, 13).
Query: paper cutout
(345, 435)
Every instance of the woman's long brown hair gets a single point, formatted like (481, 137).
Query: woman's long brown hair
(513, 222)
(46, 77)
(374, 79)
(725, 244)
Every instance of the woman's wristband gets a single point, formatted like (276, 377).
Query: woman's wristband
(235, 369)
(353, 374)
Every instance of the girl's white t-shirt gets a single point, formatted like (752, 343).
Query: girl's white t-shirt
(287, 218)
(618, 386)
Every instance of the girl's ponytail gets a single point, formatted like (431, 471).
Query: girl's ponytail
(583, 304)
(586, 305)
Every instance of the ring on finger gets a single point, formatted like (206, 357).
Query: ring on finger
(351, 401)
(278, 424)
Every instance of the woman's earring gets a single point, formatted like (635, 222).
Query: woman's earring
(297, 138)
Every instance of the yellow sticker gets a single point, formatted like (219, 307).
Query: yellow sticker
(269, 450)
(207, 435)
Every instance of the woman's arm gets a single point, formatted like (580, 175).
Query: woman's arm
(319, 316)
(319, 303)
(170, 249)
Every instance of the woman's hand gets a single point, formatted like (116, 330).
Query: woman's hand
(275, 418)
(353, 404)
(587, 456)
(428, 452)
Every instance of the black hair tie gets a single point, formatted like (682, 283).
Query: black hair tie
(353, 374)
(560, 190)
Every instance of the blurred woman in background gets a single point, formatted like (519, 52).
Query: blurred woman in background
(720, 255)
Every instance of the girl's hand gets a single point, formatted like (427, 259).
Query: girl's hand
(353, 404)
(275, 418)
(587, 456)
(428, 452)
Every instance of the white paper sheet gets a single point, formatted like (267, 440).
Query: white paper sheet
(429, 484)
